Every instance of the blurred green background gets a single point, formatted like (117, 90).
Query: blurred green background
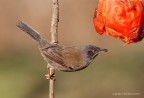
(22, 68)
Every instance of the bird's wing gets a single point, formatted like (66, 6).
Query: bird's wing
(54, 55)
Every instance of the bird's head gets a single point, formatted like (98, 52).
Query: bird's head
(93, 51)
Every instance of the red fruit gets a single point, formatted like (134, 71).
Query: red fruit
(122, 19)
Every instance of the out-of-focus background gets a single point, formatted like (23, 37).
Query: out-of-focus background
(22, 68)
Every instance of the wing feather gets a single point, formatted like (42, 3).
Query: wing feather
(54, 55)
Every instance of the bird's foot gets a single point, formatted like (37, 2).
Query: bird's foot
(50, 76)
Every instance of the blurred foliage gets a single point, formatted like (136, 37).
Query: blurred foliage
(22, 68)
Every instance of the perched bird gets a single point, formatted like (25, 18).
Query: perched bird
(63, 58)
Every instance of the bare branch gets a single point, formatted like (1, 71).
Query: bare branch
(54, 40)
(54, 23)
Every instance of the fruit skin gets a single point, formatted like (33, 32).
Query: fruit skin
(122, 19)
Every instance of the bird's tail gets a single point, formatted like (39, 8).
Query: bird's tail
(33, 34)
(29, 30)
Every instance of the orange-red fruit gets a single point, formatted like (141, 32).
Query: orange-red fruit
(122, 19)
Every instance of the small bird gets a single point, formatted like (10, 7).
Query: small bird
(63, 58)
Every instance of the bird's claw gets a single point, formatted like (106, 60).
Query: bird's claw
(50, 77)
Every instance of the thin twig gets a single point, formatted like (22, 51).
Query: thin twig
(54, 40)
(54, 23)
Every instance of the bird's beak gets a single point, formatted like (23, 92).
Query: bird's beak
(103, 50)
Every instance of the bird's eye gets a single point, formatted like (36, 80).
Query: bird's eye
(91, 52)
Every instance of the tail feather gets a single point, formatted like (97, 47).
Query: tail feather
(29, 30)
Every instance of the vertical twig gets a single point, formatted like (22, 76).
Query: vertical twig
(54, 23)
(54, 40)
